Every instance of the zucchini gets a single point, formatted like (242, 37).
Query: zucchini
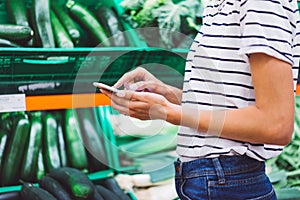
(51, 150)
(76, 152)
(106, 193)
(29, 191)
(3, 140)
(40, 166)
(112, 185)
(15, 195)
(91, 139)
(15, 32)
(42, 24)
(17, 14)
(111, 24)
(16, 11)
(61, 141)
(10, 173)
(66, 21)
(88, 21)
(7, 43)
(30, 160)
(54, 187)
(61, 37)
(75, 181)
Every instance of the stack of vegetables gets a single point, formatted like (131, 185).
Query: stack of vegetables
(49, 24)
(34, 143)
(284, 170)
(68, 183)
(176, 21)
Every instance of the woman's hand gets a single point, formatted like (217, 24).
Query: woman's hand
(141, 105)
(141, 80)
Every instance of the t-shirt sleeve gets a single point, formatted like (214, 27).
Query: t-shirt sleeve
(266, 27)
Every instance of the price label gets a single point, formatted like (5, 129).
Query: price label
(12, 102)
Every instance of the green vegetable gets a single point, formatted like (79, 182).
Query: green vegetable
(60, 34)
(7, 43)
(54, 187)
(42, 23)
(76, 152)
(111, 24)
(170, 18)
(16, 147)
(29, 191)
(88, 21)
(61, 140)
(106, 193)
(40, 166)
(89, 134)
(17, 14)
(75, 181)
(66, 21)
(112, 185)
(50, 147)
(145, 146)
(30, 160)
(3, 140)
(15, 195)
(15, 32)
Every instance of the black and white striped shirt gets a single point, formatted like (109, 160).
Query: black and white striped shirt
(217, 73)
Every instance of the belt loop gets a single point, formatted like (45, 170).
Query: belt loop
(219, 170)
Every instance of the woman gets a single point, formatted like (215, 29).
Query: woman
(236, 109)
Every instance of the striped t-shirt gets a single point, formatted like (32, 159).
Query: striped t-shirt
(217, 73)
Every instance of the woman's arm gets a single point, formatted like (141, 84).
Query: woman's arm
(269, 121)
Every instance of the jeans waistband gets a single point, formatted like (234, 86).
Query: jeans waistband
(220, 166)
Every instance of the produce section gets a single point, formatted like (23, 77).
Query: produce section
(53, 55)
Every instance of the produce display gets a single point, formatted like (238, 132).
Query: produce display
(177, 21)
(284, 170)
(61, 24)
(35, 143)
(68, 183)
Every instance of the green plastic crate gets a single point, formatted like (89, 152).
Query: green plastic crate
(66, 71)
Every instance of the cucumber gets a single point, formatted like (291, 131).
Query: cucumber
(111, 24)
(91, 138)
(7, 43)
(61, 37)
(10, 173)
(61, 141)
(66, 21)
(29, 191)
(42, 24)
(106, 193)
(16, 11)
(41, 166)
(76, 152)
(15, 195)
(15, 32)
(54, 187)
(51, 150)
(3, 140)
(112, 185)
(88, 21)
(17, 14)
(30, 160)
(75, 181)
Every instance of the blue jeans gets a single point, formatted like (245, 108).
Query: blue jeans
(223, 178)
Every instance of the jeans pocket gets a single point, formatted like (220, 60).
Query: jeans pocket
(192, 188)
(243, 187)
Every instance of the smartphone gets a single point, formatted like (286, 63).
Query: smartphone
(105, 87)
